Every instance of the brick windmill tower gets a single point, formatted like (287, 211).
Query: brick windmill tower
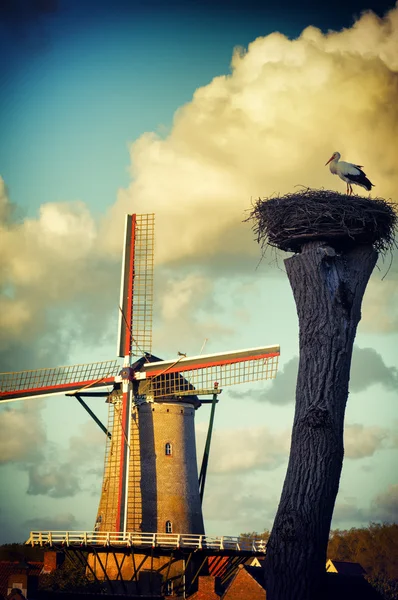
(151, 479)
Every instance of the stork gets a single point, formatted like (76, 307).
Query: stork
(349, 173)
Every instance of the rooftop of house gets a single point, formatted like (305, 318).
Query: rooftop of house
(257, 573)
(8, 568)
(347, 587)
(337, 586)
(344, 568)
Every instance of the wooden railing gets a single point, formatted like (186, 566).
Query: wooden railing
(148, 540)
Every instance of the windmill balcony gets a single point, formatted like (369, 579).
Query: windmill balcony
(145, 540)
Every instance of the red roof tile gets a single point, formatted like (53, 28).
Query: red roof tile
(7, 568)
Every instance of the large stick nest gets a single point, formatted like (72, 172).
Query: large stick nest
(292, 220)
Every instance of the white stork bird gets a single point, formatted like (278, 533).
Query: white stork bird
(349, 173)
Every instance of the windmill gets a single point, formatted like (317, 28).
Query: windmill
(150, 479)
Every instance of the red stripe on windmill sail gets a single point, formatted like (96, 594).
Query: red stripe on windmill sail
(136, 296)
(201, 374)
(126, 288)
(57, 380)
(53, 390)
(209, 360)
(123, 471)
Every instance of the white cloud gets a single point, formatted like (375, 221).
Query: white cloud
(385, 505)
(348, 512)
(235, 504)
(264, 129)
(181, 294)
(52, 470)
(244, 450)
(268, 126)
(361, 441)
(54, 283)
(380, 303)
(21, 428)
(383, 508)
(60, 522)
(260, 448)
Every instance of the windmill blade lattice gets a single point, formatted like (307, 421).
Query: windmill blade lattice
(56, 380)
(197, 374)
(136, 293)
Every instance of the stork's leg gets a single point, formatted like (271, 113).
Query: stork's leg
(347, 192)
(351, 190)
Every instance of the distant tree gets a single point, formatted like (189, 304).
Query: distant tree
(254, 535)
(18, 551)
(374, 547)
(387, 589)
(70, 577)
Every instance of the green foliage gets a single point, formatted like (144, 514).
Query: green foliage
(253, 535)
(374, 547)
(388, 589)
(19, 552)
(70, 577)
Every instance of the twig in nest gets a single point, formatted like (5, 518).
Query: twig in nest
(292, 220)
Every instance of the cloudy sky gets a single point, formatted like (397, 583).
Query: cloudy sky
(189, 110)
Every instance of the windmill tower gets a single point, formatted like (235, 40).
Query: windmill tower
(150, 479)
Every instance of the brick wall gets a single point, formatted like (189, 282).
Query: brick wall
(52, 560)
(161, 487)
(169, 483)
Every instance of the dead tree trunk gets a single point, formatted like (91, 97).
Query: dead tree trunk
(328, 291)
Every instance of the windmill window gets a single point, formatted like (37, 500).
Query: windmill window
(169, 527)
(168, 449)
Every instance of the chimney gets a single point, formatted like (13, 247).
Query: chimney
(207, 588)
(52, 561)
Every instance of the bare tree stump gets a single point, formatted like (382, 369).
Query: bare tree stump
(328, 289)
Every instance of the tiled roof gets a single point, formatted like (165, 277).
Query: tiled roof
(7, 568)
(346, 587)
(338, 587)
(257, 573)
(348, 568)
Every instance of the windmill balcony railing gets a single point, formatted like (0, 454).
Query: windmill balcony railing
(148, 540)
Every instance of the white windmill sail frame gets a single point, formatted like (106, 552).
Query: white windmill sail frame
(136, 290)
(199, 374)
(123, 287)
(205, 360)
(22, 385)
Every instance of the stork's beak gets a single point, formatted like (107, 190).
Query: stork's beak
(331, 158)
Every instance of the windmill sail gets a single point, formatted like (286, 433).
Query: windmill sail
(164, 378)
(136, 293)
(57, 380)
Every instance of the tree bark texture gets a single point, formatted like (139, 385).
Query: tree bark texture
(328, 290)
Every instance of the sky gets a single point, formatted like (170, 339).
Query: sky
(191, 110)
